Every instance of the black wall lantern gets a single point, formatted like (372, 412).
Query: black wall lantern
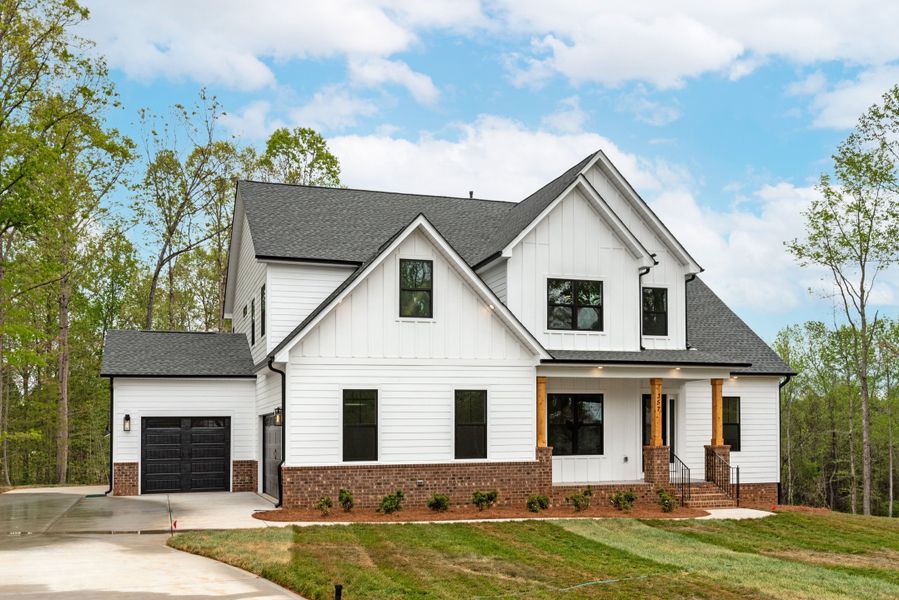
(126, 423)
(279, 418)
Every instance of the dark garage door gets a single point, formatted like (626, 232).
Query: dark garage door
(185, 454)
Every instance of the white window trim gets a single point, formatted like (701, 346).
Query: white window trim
(452, 455)
(340, 390)
(582, 332)
(667, 288)
(434, 287)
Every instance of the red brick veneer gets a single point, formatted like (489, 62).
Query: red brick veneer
(764, 494)
(656, 464)
(602, 493)
(243, 475)
(514, 481)
(124, 479)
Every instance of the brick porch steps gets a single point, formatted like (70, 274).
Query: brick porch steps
(706, 494)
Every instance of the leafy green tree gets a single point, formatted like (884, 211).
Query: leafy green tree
(851, 231)
(299, 156)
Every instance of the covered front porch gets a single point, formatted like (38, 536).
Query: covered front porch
(627, 424)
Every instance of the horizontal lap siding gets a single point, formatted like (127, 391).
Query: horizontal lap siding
(251, 275)
(415, 365)
(268, 391)
(184, 398)
(495, 278)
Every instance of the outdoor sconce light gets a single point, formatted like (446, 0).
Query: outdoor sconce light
(279, 419)
(126, 423)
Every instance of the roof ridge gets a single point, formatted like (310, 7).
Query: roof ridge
(169, 331)
(370, 191)
(564, 173)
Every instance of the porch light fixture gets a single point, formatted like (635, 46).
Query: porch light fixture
(278, 416)
(126, 423)
(491, 306)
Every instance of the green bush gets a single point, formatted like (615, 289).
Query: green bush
(391, 502)
(666, 501)
(484, 499)
(580, 501)
(623, 500)
(536, 503)
(345, 498)
(439, 502)
(324, 505)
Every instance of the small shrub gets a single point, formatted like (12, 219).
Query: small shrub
(484, 499)
(580, 501)
(324, 505)
(666, 501)
(536, 503)
(391, 502)
(345, 498)
(439, 502)
(623, 500)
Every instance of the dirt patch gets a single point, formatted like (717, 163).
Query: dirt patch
(878, 559)
(812, 510)
(459, 513)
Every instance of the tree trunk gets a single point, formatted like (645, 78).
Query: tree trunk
(866, 437)
(154, 283)
(853, 481)
(4, 400)
(62, 432)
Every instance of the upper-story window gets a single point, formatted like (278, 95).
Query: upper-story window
(253, 321)
(262, 311)
(655, 311)
(416, 288)
(574, 304)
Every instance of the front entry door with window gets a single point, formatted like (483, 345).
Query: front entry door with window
(668, 422)
(272, 453)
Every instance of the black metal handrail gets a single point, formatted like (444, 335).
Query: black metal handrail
(726, 477)
(679, 477)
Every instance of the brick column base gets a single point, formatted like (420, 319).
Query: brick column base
(656, 464)
(723, 452)
(124, 479)
(243, 475)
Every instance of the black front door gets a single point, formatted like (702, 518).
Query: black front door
(272, 454)
(185, 454)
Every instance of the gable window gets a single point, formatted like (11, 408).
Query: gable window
(262, 312)
(471, 423)
(253, 321)
(574, 304)
(575, 424)
(360, 425)
(655, 311)
(730, 421)
(416, 288)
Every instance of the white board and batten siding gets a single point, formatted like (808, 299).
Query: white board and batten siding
(251, 276)
(573, 242)
(194, 397)
(415, 364)
(759, 456)
(670, 273)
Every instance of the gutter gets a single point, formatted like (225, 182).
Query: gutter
(780, 387)
(687, 309)
(271, 360)
(111, 433)
(643, 271)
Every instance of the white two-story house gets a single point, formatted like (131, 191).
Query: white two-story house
(432, 344)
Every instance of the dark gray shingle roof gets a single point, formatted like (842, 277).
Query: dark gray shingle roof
(346, 225)
(176, 354)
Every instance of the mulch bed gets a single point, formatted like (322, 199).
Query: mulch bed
(457, 513)
(815, 510)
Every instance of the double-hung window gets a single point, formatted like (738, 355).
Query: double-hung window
(360, 425)
(730, 422)
(262, 311)
(575, 424)
(471, 423)
(655, 311)
(253, 322)
(416, 288)
(574, 304)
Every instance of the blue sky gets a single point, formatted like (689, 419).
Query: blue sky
(722, 117)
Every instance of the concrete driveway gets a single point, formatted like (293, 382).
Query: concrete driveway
(66, 543)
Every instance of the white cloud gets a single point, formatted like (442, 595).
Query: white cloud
(646, 110)
(570, 118)
(372, 72)
(332, 109)
(841, 105)
(252, 121)
(809, 85)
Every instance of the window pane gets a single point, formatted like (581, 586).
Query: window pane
(471, 441)
(732, 437)
(561, 410)
(415, 274)
(655, 324)
(559, 317)
(655, 299)
(561, 440)
(591, 411)
(589, 319)
(731, 410)
(589, 293)
(415, 304)
(360, 443)
(360, 407)
(558, 291)
(589, 439)
(471, 407)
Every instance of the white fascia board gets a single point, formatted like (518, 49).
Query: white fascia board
(647, 213)
(233, 255)
(634, 246)
(462, 267)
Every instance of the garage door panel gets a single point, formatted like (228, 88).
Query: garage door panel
(192, 457)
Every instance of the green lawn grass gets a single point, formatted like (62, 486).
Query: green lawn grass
(786, 556)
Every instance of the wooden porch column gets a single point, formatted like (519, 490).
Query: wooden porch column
(717, 415)
(655, 439)
(541, 412)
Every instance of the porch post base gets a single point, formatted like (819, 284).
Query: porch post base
(722, 451)
(656, 464)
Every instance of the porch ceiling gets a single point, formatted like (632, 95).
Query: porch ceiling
(615, 371)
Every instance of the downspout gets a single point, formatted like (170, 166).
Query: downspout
(643, 271)
(111, 428)
(687, 310)
(271, 360)
(780, 388)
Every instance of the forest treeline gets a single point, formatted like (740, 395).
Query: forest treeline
(99, 231)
